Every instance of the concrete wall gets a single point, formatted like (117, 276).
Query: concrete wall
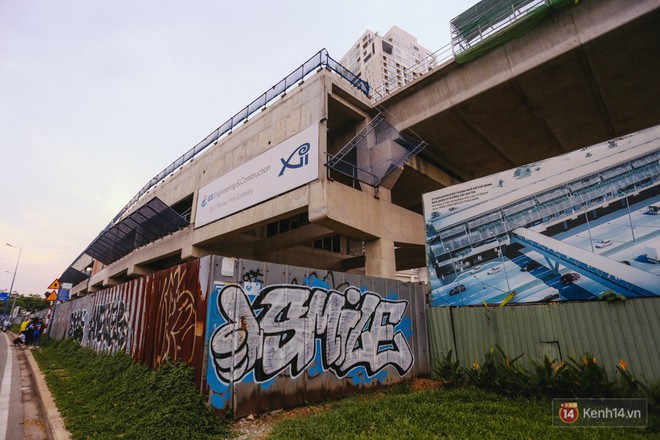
(298, 109)
(331, 207)
(625, 330)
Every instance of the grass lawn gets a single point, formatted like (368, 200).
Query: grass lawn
(455, 413)
(110, 396)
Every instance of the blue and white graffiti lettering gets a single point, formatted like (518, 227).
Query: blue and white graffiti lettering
(279, 330)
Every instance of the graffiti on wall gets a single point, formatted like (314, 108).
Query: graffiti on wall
(278, 332)
(108, 328)
(77, 321)
(176, 316)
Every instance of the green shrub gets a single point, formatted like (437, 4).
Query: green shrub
(628, 385)
(589, 378)
(551, 378)
(449, 371)
(499, 373)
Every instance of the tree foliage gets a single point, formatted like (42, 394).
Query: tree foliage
(31, 303)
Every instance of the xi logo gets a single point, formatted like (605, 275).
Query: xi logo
(302, 159)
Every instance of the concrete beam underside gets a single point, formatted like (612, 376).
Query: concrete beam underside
(583, 76)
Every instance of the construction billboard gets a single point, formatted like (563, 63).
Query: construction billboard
(578, 226)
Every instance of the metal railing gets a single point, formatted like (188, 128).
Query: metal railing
(320, 59)
(426, 65)
(475, 25)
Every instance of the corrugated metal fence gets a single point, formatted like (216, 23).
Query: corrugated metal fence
(280, 336)
(152, 318)
(625, 330)
(260, 336)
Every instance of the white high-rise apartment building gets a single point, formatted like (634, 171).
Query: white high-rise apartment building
(388, 62)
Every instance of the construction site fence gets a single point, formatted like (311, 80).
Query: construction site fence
(260, 336)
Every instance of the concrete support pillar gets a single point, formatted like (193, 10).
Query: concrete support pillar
(379, 258)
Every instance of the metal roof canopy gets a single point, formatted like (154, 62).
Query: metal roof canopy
(148, 223)
(73, 276)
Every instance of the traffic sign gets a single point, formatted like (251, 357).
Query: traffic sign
(52, 296)
(63, 294)
(4, 296)
(55, 284)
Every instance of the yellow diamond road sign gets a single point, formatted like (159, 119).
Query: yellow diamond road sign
(55, 284)
(52, 296)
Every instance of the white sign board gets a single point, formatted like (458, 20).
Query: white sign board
(284, 167)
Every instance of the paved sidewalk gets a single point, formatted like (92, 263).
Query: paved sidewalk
(54, 420)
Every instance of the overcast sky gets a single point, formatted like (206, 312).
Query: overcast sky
(97, 97)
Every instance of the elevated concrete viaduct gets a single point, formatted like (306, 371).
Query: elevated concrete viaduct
(587, 74)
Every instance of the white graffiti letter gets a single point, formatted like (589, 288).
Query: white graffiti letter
(235, 345)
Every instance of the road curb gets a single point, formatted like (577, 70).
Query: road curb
(54, 419)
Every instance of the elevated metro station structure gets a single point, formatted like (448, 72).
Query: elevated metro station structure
(316, 172)
(612, 274)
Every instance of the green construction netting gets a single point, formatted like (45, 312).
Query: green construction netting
(468, 28)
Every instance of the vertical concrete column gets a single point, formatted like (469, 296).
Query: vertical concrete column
(379, 258)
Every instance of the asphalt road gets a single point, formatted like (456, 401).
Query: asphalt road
(20, 413)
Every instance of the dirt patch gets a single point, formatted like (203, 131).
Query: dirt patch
(252, 428)
(421, 384)
(258, 427)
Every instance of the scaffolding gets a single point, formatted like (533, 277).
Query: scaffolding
(490, 23)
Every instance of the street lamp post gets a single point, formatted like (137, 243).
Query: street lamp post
(13, 278)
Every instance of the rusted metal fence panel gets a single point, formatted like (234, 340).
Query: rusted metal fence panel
(175, 314)
(279, 336)
(153, 318)
(625, 330)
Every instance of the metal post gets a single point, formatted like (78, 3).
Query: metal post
(591, 240)
(13, 278)
(506, 275)
(632, 230)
